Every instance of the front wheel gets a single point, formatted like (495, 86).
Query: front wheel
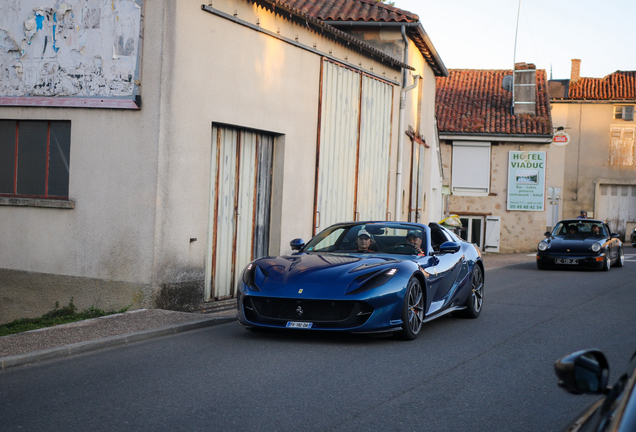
(412, 310)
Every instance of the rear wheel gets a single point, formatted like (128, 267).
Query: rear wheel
(412, 310)
(620, 260)
(475, 299)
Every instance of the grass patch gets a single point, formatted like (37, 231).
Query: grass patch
(59, 315)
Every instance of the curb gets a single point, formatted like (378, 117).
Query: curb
(111, 341)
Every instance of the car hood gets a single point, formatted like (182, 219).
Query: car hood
(319, 269)
(573, 243)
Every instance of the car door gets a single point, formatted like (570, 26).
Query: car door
(446, 266)
(612, 243)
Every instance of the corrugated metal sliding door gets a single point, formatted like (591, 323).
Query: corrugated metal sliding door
(240, 204)
(265, 159)
(416, 207)
(338, 146)
(375, 150)
(354, 147)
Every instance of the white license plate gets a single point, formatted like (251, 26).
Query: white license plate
(297, 324)
(565, 261)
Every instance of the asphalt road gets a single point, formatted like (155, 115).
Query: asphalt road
(494, 373)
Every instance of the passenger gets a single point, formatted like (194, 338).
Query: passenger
(364, 241)
(414, 237)
(596, 230)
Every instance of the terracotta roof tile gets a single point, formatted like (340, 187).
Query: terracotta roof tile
(473, 101)
(312, 21)
(619, 85)
(352, 10)
(368, 11)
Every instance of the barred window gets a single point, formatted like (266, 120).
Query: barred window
(34, 158)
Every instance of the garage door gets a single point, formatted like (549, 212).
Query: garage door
(616, 204)
(354, 147)
(240, 205)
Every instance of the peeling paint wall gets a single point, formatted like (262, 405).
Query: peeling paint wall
(75, 48)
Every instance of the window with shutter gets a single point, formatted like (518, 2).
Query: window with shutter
(470, 173)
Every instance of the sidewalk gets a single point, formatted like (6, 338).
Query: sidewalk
(121, 329)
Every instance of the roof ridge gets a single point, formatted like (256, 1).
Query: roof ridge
(389, 7)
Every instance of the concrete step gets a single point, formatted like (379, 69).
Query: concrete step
(217, 306)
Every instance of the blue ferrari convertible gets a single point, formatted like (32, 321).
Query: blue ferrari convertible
(364, 277)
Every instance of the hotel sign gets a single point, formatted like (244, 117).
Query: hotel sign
(526, 181)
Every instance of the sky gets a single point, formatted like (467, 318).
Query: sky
(480, 34)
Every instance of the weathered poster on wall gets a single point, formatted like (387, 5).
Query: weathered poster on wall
(54, 53)
(526, 180)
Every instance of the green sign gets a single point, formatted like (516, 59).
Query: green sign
(526, 180)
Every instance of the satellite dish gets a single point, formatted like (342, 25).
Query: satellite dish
(507, 83)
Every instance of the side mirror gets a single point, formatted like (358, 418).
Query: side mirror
(448, 247)
(583, 372)
(614, 235)
(546, 234)
(297, 244)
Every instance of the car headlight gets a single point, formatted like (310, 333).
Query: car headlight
(543, 245)
(595, 247)
(249, 275)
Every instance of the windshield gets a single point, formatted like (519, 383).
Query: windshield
(391, 238)
(579, 229)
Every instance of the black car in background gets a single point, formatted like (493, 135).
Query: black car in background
(580, 243)
(633, 237)
(588, 372)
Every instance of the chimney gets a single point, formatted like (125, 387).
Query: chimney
(576, 70)
(525, 89)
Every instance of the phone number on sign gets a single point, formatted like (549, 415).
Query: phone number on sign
(525, 207)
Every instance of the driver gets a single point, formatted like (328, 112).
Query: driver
(364, 241)
(414, 238)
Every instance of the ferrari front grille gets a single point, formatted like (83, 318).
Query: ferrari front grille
(326, 313)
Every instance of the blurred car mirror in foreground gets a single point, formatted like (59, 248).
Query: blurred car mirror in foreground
(583, 372)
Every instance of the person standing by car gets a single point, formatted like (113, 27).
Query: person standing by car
(583, 215)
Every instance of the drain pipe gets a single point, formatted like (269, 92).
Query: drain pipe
(401, 131)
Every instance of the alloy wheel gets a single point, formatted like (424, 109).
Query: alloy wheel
(477, 290)
(415, 307)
